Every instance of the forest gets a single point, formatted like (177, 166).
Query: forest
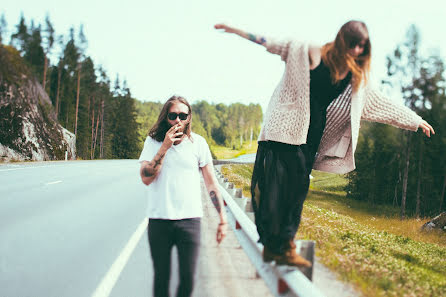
(109, 123)
(393, 167)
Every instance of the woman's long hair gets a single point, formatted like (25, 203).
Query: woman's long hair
(335, 54)
(159, 129)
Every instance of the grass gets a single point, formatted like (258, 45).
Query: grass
(367, 245)
(222, 152)
(240, 175)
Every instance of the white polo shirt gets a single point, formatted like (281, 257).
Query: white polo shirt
(176, 193)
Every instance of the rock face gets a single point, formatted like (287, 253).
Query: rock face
(439, 222)
(28, 126)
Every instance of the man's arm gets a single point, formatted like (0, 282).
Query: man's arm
(216, 198)
(254, 38)
(150, 170)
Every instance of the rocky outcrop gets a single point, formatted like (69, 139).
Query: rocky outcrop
(438, 223)
(28, 126)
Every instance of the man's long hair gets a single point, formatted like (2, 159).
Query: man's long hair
(335, 54)
(159, 129)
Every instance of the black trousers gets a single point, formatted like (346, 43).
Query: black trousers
(279, 186)
(163, 235)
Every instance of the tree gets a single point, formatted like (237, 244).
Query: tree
(48, 42)
(20, 38)
(33, 51)
(3, 27)
(82, 47)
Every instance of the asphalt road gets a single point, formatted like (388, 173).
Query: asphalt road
(79, 229)
(62, 225)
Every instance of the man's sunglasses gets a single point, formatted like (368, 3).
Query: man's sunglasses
(173, 116)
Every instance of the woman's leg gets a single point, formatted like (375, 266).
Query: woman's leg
(187, 235)
(161, 243)
(279, 188)
(257, 187)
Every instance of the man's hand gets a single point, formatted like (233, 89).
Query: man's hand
(222, 230)
(174, 134)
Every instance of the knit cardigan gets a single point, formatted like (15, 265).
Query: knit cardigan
(287, 117)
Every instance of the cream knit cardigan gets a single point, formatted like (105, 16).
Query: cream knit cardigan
(287, 117)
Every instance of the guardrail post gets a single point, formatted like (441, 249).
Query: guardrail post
(250, 211)
(282, 286)
(240, 200)
(305, 248)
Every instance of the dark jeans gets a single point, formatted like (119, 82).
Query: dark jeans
(163, 235)
(279, 187)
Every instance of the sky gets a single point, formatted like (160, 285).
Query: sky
(170, 47)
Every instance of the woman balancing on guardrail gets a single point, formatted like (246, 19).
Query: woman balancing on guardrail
(171, 162)
(312, 121)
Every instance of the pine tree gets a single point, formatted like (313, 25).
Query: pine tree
(20, 38)
(3, 28)
(49, 42)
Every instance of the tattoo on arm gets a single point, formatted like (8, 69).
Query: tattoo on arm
(215, 201)
(158, 161)
(147, 172)
(150, 170)
(253, 38)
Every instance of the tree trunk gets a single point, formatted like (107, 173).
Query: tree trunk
(95, 137)
(101, 150)
(92, 135)
(442, 193)
(405, 177)
(59, 74)
(45, 68)
(420, 177)
(77, 96)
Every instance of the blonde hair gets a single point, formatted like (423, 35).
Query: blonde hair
(335, 54)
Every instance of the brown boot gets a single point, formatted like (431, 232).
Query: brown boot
(292, 258)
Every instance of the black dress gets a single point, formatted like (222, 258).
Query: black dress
(280, 178)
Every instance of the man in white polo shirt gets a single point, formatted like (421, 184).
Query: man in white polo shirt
(171, 162)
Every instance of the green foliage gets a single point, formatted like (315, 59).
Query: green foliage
(381, 153)
(12, 66)
(378, 262)
(240, 175)
(219, 124)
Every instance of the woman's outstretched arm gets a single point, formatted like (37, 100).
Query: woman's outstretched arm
(252, 37)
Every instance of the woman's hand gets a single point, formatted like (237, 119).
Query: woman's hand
(172, 135)
(226, 28)
(222, 231)
(427, 129)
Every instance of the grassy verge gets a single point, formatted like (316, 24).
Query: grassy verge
(222, 152)
(367, 245)
(240, 175)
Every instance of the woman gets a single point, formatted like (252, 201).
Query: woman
(312, 121)
(171, 161)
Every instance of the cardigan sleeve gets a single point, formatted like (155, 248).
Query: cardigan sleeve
(379, 108)
(277, 47)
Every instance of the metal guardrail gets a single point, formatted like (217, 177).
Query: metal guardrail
(282, 280)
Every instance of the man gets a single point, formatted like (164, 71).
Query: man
(172, 158)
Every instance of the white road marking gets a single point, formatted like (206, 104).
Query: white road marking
(54, 182)
(108, 282)
(21, 168)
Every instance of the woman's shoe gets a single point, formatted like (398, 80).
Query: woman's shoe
(292, 258)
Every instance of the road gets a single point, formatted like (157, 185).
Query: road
(79, 229)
